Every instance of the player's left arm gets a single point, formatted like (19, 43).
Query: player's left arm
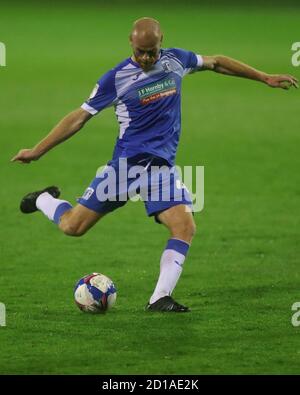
(225, 65)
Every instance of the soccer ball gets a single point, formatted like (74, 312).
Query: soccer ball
(95, 293)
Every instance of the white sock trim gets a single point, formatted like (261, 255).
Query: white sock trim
(47, 204)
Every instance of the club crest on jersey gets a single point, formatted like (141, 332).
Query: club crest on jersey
(166, 66)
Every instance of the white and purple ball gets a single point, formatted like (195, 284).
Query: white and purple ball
(95, 293)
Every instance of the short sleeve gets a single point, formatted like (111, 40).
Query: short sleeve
(190, 61)
(103, 95)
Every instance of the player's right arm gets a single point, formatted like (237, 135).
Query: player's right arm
(102, 96)
(66, 128)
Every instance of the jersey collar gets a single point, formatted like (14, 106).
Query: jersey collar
(138, 66)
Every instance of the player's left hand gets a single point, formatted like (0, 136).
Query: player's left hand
(281, 81)
(25, 156)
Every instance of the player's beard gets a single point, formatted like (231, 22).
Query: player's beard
(146, 66)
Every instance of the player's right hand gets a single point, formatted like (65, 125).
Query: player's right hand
(25, 156)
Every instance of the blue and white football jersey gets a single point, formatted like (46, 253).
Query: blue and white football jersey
(147, 104)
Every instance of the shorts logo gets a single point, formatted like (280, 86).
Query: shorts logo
(158, 90)
(88, 193)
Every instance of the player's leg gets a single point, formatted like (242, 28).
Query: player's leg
(78, 220)
(180, 223)
(73, 221)
(175, 213)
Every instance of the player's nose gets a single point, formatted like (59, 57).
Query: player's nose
(145, 58)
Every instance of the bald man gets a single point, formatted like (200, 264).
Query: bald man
(145, 90)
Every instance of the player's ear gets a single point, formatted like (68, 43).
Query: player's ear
(161, 39)
(130, 38)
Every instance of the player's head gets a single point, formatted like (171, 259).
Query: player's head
(145, 39)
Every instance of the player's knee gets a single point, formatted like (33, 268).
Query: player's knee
(70, 229)
(185, 230)
(193, 229)
(190, 230)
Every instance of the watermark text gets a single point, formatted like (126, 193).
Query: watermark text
(2, 314)
(296, 316)
(2, 54)
(296, 56)
(123, 180)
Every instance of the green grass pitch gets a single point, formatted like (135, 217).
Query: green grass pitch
(242, 272)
